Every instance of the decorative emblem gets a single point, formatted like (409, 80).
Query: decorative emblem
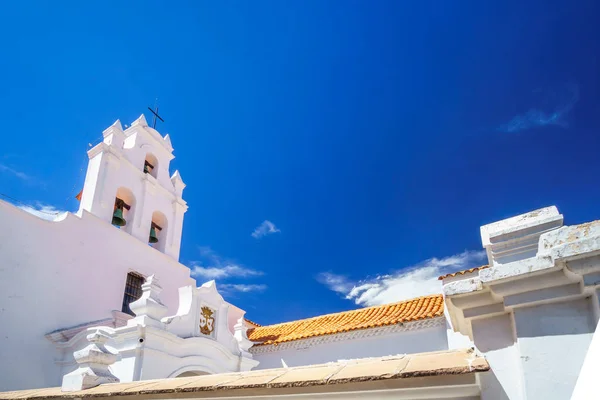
(207, 321)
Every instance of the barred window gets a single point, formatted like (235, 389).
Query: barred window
(133, 291)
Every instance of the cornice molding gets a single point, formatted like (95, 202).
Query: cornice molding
(351, 335)
(65, 337)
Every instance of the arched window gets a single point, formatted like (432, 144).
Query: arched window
(158, 231)
(151, 165)
(124, 209)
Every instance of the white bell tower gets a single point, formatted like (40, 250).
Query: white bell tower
(129, 171)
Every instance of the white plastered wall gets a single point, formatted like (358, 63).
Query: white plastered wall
(55, 275)
(533, 312)
(305, 352)
(553, 340)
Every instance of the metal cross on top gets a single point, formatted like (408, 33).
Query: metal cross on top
(155, 112)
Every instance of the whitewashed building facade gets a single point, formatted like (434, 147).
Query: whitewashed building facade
(85, 304)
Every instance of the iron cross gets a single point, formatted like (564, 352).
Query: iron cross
(155, 112)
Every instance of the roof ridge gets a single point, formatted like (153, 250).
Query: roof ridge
(353, 311)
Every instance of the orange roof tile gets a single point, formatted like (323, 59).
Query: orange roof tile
(252, 322)
(369, 317)
(466, 271)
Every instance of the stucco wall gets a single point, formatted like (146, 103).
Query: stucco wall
(553, 340)
(405, 342)
(494, 338)
(588, 376)
(56, 275)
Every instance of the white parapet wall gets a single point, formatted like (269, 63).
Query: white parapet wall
(60, 274)
(534, 311)
(412, 337)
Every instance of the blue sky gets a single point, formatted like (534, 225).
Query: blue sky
(335, 153)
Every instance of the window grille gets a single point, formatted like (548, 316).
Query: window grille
(133, 291)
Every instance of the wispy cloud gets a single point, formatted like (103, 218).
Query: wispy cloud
(220, 272)
(11, 171)
(43, 211)
(337, 283)
(243, 288)
(554, 106)
(213, 266)
(417, 280)
(264, 229)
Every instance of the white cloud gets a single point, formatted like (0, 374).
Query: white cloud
(43, 211)
(214, 266)
(554, 105)
(417, 280)
(227, 287)
(222, 271)
(337, 283)
(264, 229)
(14, 172)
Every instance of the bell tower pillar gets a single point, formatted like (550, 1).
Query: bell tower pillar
(104, 160)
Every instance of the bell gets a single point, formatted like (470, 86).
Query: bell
(118, 219)
(146, 170)
(152, 238)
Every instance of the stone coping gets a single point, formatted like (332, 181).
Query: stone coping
(450, 362)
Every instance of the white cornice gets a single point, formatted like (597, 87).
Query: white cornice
(62, 336)
(357, 334)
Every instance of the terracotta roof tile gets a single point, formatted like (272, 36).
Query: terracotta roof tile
(252, 322)
(370, 317)
(466, 271)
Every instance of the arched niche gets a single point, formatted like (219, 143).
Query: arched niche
(125, 199)
(188, 374)
(151, 164)
(191, 370)
(161, 227)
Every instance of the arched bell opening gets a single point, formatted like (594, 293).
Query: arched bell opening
(157, 236)
(151, 165)
(124, 209)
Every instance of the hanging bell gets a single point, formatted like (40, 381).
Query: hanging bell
(118, 219)
(152, 238)
(148, 167)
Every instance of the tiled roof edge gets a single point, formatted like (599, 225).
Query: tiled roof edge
(430, 322)
(463, 272)
(352, 311)
(252, 322)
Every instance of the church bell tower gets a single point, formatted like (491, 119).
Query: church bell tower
(127, 184)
